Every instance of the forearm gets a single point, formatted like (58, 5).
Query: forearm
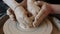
(56, 8)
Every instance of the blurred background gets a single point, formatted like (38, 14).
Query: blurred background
(3, 8)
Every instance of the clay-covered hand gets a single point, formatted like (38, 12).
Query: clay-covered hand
(39, 9)
(29, 14)
(22, 15)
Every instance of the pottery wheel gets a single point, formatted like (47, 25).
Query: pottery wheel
(11, 27)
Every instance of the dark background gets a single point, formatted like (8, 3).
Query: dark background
(3, 8)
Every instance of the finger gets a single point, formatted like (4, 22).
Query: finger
(32, 8)
(12, 17)
(11, 14)
(9, 11)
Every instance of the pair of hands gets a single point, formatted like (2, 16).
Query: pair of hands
(34, 12)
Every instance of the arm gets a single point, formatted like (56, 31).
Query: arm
(56, 8)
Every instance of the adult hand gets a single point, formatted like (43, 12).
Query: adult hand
(34, 18)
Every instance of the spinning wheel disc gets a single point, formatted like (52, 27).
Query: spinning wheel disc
(10, 27)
